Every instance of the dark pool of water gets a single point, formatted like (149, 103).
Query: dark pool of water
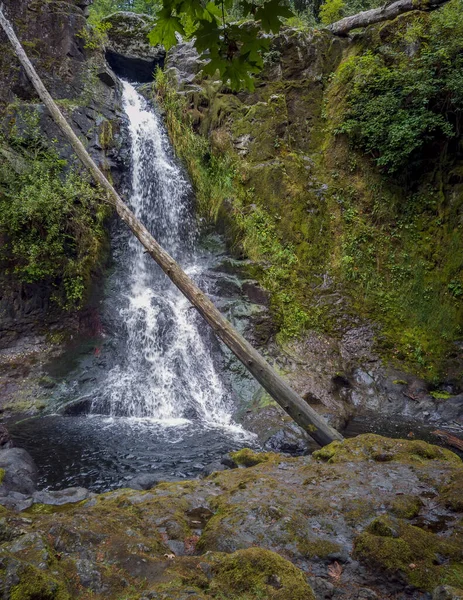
(102, 453)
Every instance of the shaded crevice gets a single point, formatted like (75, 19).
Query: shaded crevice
(135, 70)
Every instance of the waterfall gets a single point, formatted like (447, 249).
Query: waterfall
(165, 368)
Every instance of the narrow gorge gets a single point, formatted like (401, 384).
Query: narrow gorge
(138, 457)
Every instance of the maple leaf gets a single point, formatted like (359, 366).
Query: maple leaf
(165, 30)
(207, 35)
(269, 15)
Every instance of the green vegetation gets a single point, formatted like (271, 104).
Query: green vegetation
(248, 458)
(395, 246)
(258, 573)
(397, 97)
(333, 10)
(381, 449)
(35, 585)
(51, 217)
(401, 107)
(397, 547)
(224, 194)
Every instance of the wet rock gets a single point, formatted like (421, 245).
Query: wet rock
(228, 461)
(182, 63)
(451, 410)
(367, 594)
(60, 497)
(144, 481)
(447, 592)
(5, 439)
(322, 588)
(16, 501)
(89, 576)
(129, 52)
(288, 441)
(256, 293)
(312, 510)
(20, 472)
(213, 468)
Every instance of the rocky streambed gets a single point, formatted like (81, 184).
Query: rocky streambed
(369, 518)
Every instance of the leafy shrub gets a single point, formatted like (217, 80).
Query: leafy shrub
(51, 223)
(333, 10)
(405, 96)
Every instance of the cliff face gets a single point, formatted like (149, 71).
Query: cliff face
(71, 62)
(363, 263)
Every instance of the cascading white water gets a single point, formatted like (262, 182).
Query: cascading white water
(167, 371)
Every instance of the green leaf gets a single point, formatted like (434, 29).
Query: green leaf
(212, 12)
(207, 36)
(270, 13)
(166, 27)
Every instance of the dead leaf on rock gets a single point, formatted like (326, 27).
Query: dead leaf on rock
(335, 571)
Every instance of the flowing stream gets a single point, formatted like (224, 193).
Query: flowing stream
(155, 400)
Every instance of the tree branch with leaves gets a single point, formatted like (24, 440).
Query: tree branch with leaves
(232, 49)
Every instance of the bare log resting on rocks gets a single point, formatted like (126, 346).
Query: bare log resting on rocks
(286, 397)
(384, 13)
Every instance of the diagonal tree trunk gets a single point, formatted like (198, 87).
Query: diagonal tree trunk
(384, 13)
(286, 397)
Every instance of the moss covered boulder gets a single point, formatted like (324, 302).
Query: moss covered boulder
(271, 530)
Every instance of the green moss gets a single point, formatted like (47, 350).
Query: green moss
(451, 495)
(36, 585)
(396, 547)
(406, 507)
(380, 449)
(2, 475)
(248, 458)
(316, 547)
(441, 395)
(258, 573)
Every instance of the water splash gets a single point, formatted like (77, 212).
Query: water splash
(167, 371)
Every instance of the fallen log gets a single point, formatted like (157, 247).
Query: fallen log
(275, 385)
(449, 439)
(384, 13)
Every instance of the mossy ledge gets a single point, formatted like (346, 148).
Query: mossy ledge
(249, 533)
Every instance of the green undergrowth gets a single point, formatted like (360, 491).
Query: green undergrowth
(395, 101)
(380, 449)
(51, 217)
(226, 195)
(346, 199)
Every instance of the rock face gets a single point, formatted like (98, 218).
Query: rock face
(129, 51)
(73, 68)
(277, 138)
(370, 518)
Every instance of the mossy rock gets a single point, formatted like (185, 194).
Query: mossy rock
(35, 585)
(380, 449)
(452, 495)
(406, 506)
(258, 573)
(420, 557)
(248, 458)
